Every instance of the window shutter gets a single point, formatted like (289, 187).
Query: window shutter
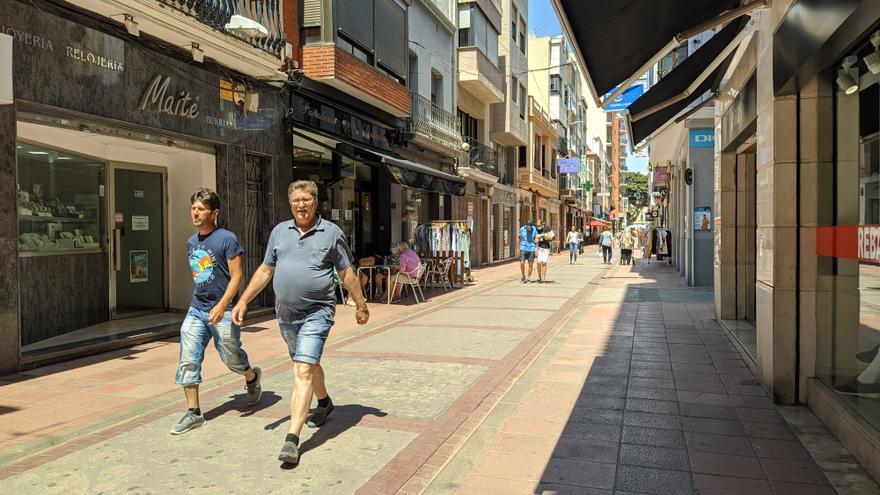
(354, 18)
(391, 41)
(312, 13)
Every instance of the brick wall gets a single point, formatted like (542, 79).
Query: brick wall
(328, 62)
(290, 18)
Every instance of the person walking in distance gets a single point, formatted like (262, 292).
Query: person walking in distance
(300, 256)
(545, 235)
(605, 239)
(627, 242)
(527, 245)
(573, 244)
(215, 260)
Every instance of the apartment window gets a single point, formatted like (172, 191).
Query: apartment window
(555, 83)
(522, 157)
(513, 17)
(349, 47)
(436, 88)
(522, 36)
(468, 125)
(514, 89)
(522, 102)
(475, 30)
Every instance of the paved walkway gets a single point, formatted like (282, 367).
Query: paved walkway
(607, 380)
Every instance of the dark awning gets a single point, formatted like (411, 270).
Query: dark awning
(415, 175)
(679, 83)
(616, 38)
(644, 127)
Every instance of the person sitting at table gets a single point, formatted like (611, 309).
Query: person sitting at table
(363, 277)
(408, 270)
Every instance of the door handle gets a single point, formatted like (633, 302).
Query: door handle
(117, 242)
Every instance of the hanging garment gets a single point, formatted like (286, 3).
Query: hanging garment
(465, 245)
(661, 243)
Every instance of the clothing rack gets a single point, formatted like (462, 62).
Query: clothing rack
(437, 240)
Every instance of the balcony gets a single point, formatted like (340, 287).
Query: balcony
(433, 127)
(242, 35)
(530, 179)
(562, 147)
(569, 186)
(478, 162)
(479, 76)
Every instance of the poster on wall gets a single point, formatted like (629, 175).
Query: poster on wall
(139, 266)
(702, 219)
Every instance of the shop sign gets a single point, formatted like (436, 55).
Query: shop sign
(140, 222)
(470, 208)
(319, 115)
(702, 138)
(226, 91)
(856, 242)
(568, 165)
(661, 175)
(180, 104)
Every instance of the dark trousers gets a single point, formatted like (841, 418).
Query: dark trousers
(606, 254)
(626, 256)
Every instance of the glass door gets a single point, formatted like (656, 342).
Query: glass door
(138, 242)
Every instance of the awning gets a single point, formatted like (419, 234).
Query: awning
(644, 127)
(620, 39)
(417, 176)
(598, 223)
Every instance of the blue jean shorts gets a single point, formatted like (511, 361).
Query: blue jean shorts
(306, 337)
(195, 335)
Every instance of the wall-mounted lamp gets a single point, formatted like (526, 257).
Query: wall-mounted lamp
(197, 53)
(131, 26)
(848, 76)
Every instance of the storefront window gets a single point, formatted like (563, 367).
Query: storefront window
(59, 201)
(848, 339)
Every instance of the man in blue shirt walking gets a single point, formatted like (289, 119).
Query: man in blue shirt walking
(528, 235)
(300, 258)
(215, 261)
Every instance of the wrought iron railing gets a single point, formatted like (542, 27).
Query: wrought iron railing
(218, 14)
(434, 122)
(480, 157)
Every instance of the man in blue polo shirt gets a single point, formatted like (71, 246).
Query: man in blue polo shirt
(527, 236)
(301, 255)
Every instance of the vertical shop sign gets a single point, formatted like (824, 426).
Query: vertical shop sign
(139, 266)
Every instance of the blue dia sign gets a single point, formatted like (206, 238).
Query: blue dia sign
(568, 165)
(702, 138)
(625, 99)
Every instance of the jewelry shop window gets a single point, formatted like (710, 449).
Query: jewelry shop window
(59, 201)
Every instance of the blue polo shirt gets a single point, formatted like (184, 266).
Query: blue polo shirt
(527, 239)
(304, 264)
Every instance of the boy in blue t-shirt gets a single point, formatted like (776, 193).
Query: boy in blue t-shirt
(215, 259)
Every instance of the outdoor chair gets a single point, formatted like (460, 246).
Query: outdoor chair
(413, 284)
(439, 273)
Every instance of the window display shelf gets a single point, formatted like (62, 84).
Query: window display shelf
(37, 218)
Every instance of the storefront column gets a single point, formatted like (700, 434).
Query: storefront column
(725, 236)
(776, 236)
(10, 334)
(816, 289)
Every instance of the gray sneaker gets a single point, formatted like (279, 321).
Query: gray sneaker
(188, 422)
(254, 390)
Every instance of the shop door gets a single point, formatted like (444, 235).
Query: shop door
(138, 242)
(363, 218)
(258, 218)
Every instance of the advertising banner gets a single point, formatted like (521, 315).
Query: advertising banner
(568, 165)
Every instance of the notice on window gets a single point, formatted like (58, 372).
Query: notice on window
(140, 222)
(348, 214)
(139, 266)
(334, 214)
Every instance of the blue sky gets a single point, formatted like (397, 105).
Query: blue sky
(637, 163)
(542, 19)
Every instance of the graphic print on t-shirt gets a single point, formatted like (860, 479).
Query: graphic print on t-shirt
(201, 261)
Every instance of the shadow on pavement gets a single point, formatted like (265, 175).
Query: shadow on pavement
(238, 403)
(343, 417)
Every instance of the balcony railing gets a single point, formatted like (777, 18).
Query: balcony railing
(258, 23)
(481, 157)
(569, 182)
(434, 122)
(562, 146)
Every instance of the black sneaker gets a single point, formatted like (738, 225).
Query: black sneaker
(254, 389)
(855, 387)
(522, 280)
(289, 453)
(867, 357)
(319, 415)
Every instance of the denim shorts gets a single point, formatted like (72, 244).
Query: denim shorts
(195, 335)
(306, 337)
(527, 256)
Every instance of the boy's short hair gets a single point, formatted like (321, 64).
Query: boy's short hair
(207, 197)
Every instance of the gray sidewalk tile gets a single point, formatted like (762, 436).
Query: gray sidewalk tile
(718, 444)
(653, 436)
(654, 457)
(651, 406)
(654, 481)
(709, 484)
(785, 488)
(587, 450)
(664, 421)
(579, 473)
(797, 471)
(779, 449)
(725, 464)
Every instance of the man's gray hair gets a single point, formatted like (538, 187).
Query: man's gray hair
(303, 185)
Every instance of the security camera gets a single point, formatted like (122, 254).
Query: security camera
(465, 146)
